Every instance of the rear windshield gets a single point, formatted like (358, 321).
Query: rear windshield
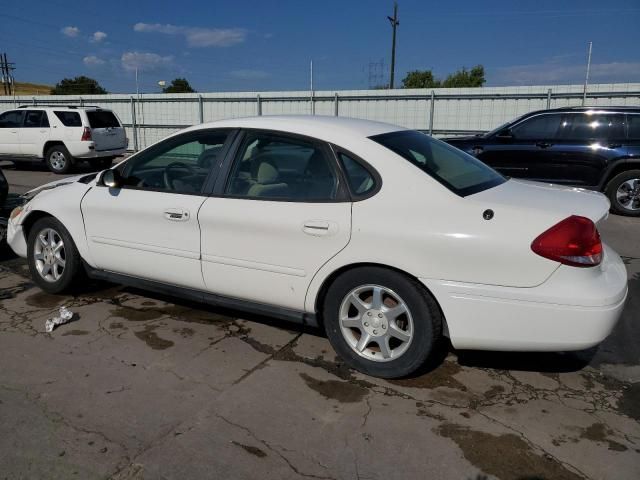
(458, 171)
(69, 119)
(102, 119)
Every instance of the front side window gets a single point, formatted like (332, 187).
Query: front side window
(458, 171)
(540, 127)
(35, 119)
(590, 127)
(180, 165)
(12, 119)
(69, 119)
(271, 166)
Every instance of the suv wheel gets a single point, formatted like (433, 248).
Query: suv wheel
(54, 261)
(381, 322)
(623, 191)
(58, 159)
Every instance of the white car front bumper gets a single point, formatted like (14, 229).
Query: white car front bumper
(16, 240)
(574, 309)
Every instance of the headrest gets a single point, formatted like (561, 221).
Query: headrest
(267, 173)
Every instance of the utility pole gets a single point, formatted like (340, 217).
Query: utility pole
(394, 25)
(586, 78)
(7, 77)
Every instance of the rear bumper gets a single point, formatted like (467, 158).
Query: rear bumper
(576, 308)
(87, 150)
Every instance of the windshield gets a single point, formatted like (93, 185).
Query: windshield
(497, 129)
(458, 171)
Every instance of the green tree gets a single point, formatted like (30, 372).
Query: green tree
(420, 79)
(78, 86)
(178, 85)
(465, 78)
(460, 79)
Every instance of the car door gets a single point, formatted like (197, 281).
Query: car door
(586, 142)
(277, 217)
(149, 227)
(10, 122)
(34, 133)
(522, 150)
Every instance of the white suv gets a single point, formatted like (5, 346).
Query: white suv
(61, 135)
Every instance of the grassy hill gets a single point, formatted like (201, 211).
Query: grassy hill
(24, 88)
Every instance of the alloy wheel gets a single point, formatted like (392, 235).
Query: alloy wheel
(376, 323)
(49, 255)
(58, 160)
(628, 194)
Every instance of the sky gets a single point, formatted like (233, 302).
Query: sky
(264, 45)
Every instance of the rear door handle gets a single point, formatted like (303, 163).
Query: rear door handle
(176, 214)
(543, 144)
(319, 227)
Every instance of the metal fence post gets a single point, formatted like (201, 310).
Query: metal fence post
(81, 101)
(548, 99)
(432, 105)
(258, 105)
(34, 101)
(133, 124)
(200, 109)
(335, 104)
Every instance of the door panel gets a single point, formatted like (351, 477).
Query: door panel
(267, 251)
(34, 133)
(131, 232)
(10, 123)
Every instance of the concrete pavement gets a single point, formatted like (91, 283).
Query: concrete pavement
(141, 386)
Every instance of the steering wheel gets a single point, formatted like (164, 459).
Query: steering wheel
(174, 167)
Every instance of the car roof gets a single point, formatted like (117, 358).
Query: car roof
(592, 109)
(324, 127)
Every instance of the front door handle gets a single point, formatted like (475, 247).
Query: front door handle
(543, 144)
(319, 227)
(176, 214)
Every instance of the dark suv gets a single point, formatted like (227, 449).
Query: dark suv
(590, 147)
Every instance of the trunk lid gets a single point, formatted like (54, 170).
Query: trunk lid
(106, 130)
(547, 200)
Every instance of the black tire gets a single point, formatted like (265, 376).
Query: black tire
(73, 269)
(427, 321)
(104, 163)
(612, 188)
(58, 159)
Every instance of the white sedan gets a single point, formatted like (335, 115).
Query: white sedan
(385, 237)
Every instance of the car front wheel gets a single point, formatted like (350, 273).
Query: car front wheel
(381, 322)
(623, 191)
(58, 159)
(54, 261)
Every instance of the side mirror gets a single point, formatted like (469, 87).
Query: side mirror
(111, 178)
(505, 134)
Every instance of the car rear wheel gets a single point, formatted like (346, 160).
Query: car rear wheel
(58, 159)
(381, 322)
(623, 191)
(54, 261)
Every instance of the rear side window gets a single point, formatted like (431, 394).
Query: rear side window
(69, 119)
(458, 171)
(586, 127)
(540, 127)
(360, 180)
(102, 119)
(634, 127)
(35, 119)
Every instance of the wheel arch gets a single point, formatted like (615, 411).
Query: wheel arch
(32, 218)
(326, 283)
(51, 143)
(617, 167)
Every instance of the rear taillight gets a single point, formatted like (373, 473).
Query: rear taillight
(86, 135)
(574, 241)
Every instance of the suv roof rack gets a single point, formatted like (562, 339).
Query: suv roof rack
(59, 106)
